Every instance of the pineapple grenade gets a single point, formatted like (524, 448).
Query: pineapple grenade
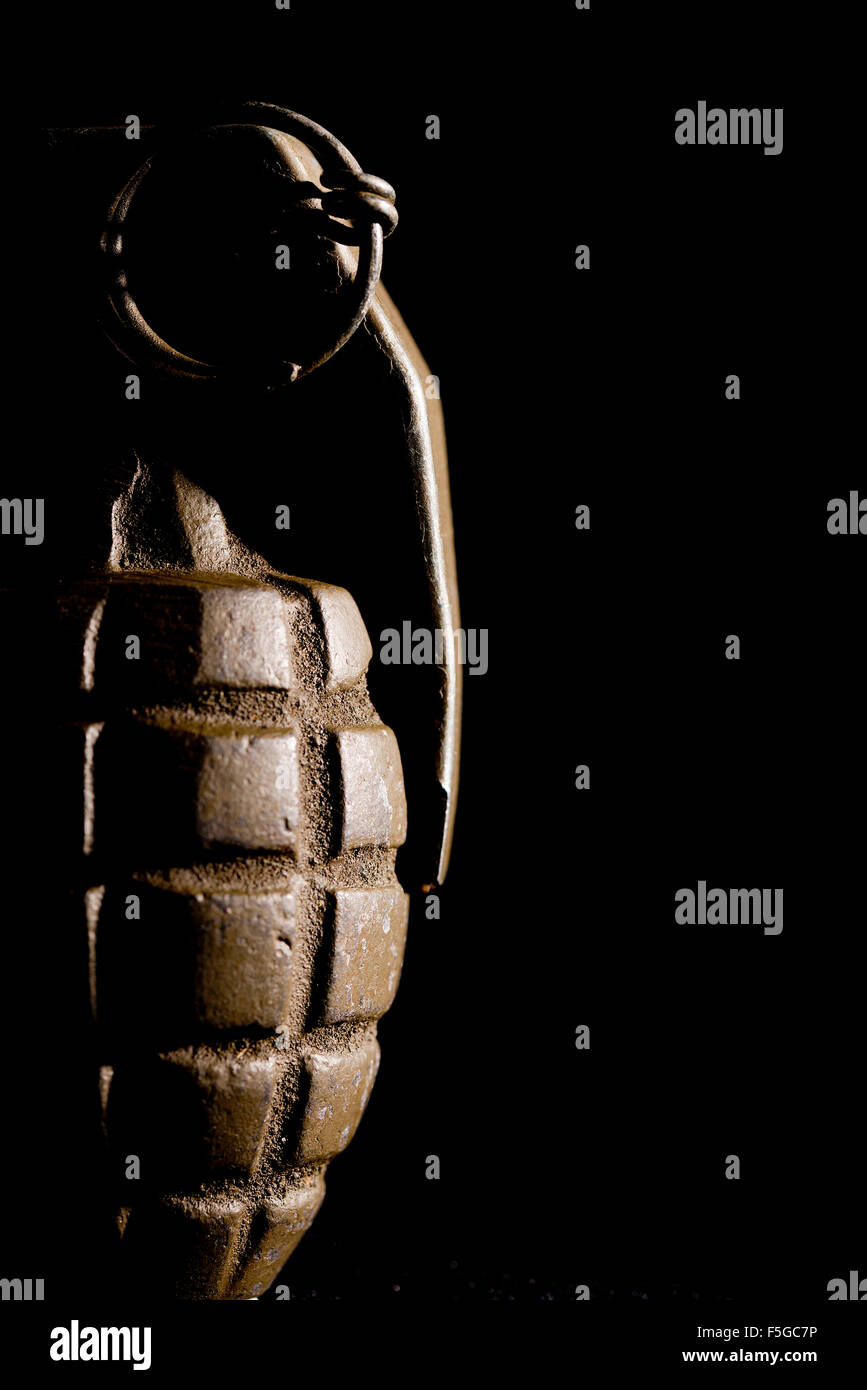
(245, 926)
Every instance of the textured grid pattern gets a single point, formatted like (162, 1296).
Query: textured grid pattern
(241, 808)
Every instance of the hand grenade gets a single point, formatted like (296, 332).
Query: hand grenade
(243, 921)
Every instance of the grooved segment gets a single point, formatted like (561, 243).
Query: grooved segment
(347, 645)
(368, 938)
(237, 1095)
(338, 1089)
(247, 793)
(185, 1249)
(186, 1113)
(73, 752)
(244, 640)
(225, 775)
(373, 809)
(194, 791)
(215, 961)
(275, 1232)
(193, 633)
(244, 969)
(78, 633)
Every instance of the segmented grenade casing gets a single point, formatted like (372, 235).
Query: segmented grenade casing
(225, 807)
(240, 809)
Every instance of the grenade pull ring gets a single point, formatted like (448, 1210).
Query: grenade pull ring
(362, 200)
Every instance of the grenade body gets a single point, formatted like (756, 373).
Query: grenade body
(241, 806)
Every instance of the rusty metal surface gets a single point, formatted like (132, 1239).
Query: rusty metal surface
(244, 921)
(246, 926)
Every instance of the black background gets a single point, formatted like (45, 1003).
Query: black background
(560, 387)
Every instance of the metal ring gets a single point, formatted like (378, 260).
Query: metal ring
(133, 335)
